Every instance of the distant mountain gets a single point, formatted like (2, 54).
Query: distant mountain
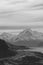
(25, 35)
(29, 38)
(7, 49)
(28, 34)
(7, 36)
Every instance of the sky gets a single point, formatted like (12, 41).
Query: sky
(21, 13)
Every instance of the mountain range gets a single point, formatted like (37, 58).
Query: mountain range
(17, 49)
(9, 56)
(28, 34)
(26, 37)
(7, 36)
(29, 38)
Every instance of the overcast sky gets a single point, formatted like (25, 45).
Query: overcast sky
(21, 12)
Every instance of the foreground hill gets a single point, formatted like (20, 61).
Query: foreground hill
(10, 55)
(24, 58)
(5, 50)
(26, 34)
(7, 36)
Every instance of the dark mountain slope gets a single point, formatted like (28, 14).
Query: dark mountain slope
(10, 57)
(30, 43)
(7, 49)
(4, 50)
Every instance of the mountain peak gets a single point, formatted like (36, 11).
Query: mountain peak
(25, 34)
(28, 34)
(27, 31)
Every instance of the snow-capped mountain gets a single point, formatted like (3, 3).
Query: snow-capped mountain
(7, 36)
(28, 34)
(26, 37)
(29, 38)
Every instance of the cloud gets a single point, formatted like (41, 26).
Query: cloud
(12, 5)
(15, 5)
(35, 4)
(21, 12)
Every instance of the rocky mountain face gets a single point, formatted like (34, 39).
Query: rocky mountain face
(27, 37)
(17, 52)
(28, 34)
(7, 36)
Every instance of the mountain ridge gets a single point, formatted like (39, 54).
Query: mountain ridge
(26, 37)
(29, 38)
(28, 33)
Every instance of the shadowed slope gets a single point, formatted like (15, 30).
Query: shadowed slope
(4, 50)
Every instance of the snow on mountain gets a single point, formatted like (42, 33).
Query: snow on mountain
(28, 34)
(7, 36)
(29, 38)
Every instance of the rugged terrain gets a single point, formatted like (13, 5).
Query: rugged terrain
(23, 49)
(18, 55)
(27, 37)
